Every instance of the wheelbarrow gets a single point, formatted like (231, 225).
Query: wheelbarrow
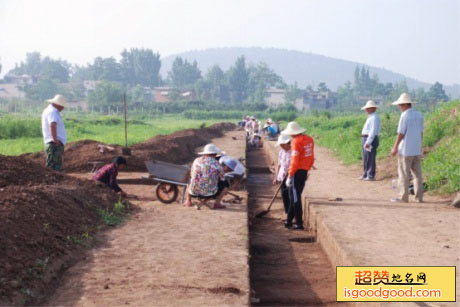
(168, 177)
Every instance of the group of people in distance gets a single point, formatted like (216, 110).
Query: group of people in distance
(407, 146)
(254, 131)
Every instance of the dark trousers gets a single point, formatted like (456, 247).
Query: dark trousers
(369, 166)
(285, 195)
(295, 196)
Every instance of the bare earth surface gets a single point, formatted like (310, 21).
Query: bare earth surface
(365, 228)
(167, 254)
(171, 255)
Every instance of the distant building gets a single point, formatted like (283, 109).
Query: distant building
(275, 97)
(308, 100)
(9, 90)
(20, 79)
(164, 94)
(313, 100)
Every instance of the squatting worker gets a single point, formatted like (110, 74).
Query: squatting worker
(207, 178)
(108, 174)
(302, 159)
(54, 134)
(370, 141)
(284, 161)
(408, 147)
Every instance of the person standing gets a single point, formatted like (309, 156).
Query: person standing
(408, 147)
(302, 159)
(54, 134)
(284, 161)
(370, 141)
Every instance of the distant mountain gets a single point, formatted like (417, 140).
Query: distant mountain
(305, 68)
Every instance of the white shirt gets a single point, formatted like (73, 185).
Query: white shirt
(52, 115)
(411, 125)
(284, 160)
(371, 127)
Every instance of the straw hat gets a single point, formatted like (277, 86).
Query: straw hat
(283, 139)
(370, 104)
(58, 99)
(403, 99)
(293, 128)
(210, 149)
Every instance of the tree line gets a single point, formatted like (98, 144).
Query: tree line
(241, 84)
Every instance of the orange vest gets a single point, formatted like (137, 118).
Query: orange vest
(302, 156)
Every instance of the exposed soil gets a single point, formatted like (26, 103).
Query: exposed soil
(166, 255)
(176, 148)
(46, 219)
(288, 268)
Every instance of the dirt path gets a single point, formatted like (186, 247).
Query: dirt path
(365, 228)
(166, 255)
(287, 267)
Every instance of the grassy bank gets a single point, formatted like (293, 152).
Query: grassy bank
(20, 135)
(441, 143)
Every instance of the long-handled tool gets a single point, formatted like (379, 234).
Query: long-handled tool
(261, 214)
(125, 150)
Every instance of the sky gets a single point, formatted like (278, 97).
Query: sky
(418, 38)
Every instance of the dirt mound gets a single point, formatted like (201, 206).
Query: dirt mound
(11, 173)
(177, 148)
(45, 217)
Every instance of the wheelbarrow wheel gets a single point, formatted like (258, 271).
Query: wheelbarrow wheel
(167, 192)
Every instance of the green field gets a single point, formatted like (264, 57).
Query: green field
(20, 135)
(441, 164)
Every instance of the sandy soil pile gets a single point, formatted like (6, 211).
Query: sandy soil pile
(177, 148)
(45, 220)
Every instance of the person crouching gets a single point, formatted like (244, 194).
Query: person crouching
(207, 178)
(108, 174)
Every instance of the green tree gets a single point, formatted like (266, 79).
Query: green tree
(238, 78)
(34, 65)
(345, 96)
(140, 66)
(261, 77)
(322, 87)
(184, 74)
(44, 89)
(292, 93)
(437, 93)
(106, 94)
(217, 84)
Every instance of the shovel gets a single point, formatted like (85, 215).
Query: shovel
(261, 214)
(125, 150)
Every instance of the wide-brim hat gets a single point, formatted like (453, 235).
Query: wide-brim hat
(370, 104)
(231, 163)
(283, 139)
(293, 128)
(403, 99)
(210, 149)
(58, 99)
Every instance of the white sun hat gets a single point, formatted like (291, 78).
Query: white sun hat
(58, 99)
(370, 104)
(210, 149)
(293, 128)
(283, 139)
(403, 99)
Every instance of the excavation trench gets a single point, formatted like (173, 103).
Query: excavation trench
(286, 267)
